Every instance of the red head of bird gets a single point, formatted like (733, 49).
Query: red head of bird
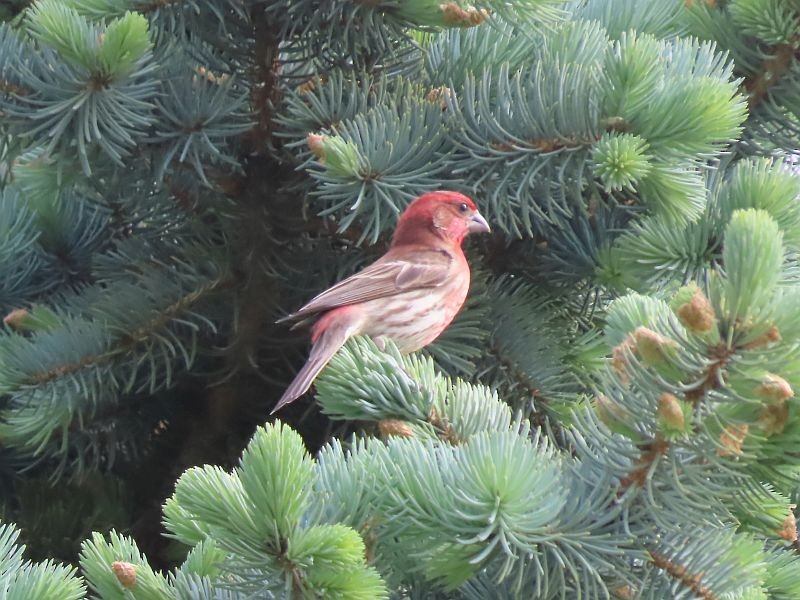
(449, 216)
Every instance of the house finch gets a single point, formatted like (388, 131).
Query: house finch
(409, 295)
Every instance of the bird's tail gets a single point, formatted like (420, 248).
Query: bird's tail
(321, 353)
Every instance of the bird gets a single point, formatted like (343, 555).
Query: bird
(409, 295)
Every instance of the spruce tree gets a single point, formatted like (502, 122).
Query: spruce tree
(612, 414)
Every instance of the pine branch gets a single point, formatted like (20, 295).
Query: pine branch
(352, 234)
(650, 453)
(198, 223)
(519, 376)
(681, 574)
(569, 142)
(544, 145)
(266, 94)
(127, 342)
(771, 72)
(299, 584)
(720, 354)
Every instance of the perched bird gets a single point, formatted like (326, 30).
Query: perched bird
(409, 295)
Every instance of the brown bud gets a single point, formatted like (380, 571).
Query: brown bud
(620, 358)
(446, 431)
(615, 123)
(697, 314)
(16, 318)
(501, 146)
(625, 592)
(125, 572)
(771, 336)
(306, 86)
(439, 94)
(463, 17)
(210, 76)
(731, 440)
(773, 388)
(773, 418)
(369, 533)
(608, 411)
(669, 410)
(395, 427)
(788, 530)
(316, 143)
(205, 73)
(652, 347)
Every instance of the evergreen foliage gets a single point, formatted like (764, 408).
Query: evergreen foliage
(613, 413)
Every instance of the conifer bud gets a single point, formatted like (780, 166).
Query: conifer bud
(615, 123)
(788, 530)
(16, 318)
(36, 318)
(456, 16)
(773, 388)
(651, 346)
(625, 592)
(613, 416)
(439, 94)
(605, 409)
(620, 358)
(307, 86)
(731, 439)
(395, 428)
(316, 143)
(125, 572)
(670, 412)
(340, 156)
(446, 431)
(773, 418)
(697, 314)
(772, 335)
(620, 160)
(210, 76)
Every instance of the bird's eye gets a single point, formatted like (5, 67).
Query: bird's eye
(463, 207)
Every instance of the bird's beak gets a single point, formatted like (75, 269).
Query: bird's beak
(477, 224)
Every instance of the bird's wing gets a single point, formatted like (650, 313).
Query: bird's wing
(387, 276)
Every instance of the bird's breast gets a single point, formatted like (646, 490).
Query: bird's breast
(415, 318)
